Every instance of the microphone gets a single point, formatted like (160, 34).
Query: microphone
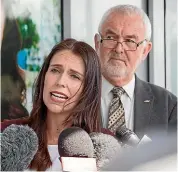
(19, 144)
(75, 147)
(106, 147)
(128, 137)
(158, 155)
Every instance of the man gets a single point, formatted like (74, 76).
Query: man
(122, 43)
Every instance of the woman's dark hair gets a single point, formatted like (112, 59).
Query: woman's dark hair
(13, 88)
(87, 111)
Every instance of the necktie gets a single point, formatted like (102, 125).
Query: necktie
(116, 110)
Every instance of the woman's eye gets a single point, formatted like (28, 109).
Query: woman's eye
(54, 70)
(75, 77)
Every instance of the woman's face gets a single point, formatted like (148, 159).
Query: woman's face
(63, 82)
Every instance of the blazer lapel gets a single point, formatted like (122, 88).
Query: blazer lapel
(143, 104)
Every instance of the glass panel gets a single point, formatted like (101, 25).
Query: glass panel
(171, 45)
(31, 29)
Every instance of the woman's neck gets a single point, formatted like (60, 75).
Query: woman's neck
(55, 125)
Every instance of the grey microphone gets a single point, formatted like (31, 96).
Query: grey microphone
(75, 142)
(106, 147)
(76, 150)
(126, 136)
(19, 144)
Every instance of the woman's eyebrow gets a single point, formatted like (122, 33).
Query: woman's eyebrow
(55, 65)
(71, 70)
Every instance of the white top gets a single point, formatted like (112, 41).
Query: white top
(126, 99)
(54, 155)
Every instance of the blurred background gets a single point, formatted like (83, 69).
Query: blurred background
(43, 23)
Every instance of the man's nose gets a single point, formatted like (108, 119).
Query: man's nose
(119, 48)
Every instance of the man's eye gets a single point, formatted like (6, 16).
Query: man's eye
(129, 40)
(109, 37)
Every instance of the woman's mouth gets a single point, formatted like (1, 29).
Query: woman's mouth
(58, 97)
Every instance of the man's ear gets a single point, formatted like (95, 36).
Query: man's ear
(97, 39)
(147, 49)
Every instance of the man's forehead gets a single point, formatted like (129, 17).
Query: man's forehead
(126, 19)
(129, 25)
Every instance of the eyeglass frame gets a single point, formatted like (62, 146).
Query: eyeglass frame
(137, 44)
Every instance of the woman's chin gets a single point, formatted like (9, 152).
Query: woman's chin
(57, 109)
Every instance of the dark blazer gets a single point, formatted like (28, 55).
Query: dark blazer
(154, 108)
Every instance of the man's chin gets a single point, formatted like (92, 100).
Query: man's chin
(119, 73)
(118, 63)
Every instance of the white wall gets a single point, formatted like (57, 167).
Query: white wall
(171, 45)
(157, 55)
(86, 14)
(163, 57)
(84, 20)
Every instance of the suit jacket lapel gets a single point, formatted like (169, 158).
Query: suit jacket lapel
(143, 104)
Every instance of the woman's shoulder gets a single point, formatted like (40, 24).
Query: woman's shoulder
(19, 121)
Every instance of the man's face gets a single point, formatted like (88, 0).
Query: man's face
(118, 63)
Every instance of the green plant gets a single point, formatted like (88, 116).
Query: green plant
(30, 37)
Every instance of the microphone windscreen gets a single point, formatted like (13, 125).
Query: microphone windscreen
(106, 147)
(19, 144)
(75, 142)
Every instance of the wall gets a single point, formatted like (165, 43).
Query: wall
(163, 57)
(171, 45)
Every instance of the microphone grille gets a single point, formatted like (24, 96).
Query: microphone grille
(19, 144)
(122, 130)
(127, 136)
(123, 133)
(75, 142)
(105, 148)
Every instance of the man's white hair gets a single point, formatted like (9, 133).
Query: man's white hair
(128, 10)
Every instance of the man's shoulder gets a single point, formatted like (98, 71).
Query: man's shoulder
(157, 91)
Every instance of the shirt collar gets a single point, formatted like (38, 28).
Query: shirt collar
(106, 87)
(129, 88)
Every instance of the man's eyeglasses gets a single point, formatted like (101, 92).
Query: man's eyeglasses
(127, 45)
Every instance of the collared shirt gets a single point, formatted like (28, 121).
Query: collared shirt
(126, 99)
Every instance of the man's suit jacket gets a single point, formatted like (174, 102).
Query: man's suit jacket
(154, 108)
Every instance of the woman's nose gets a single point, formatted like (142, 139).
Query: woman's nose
(61, 81)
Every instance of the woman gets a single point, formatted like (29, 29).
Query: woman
(67, 93)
